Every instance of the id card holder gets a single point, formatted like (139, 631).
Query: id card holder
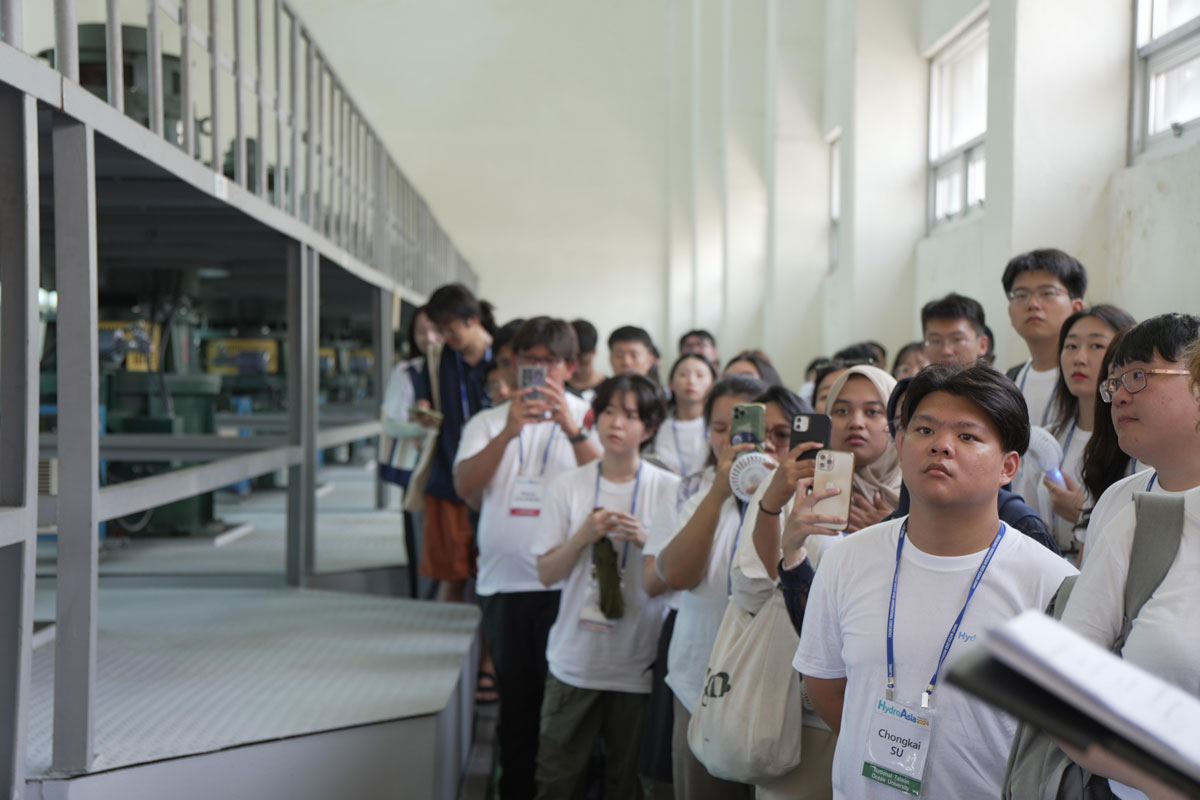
(591, 618)
(527, 497)
(898, 744)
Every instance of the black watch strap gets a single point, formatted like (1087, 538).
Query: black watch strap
(579, 437)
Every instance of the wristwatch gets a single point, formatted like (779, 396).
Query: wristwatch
(579, 437)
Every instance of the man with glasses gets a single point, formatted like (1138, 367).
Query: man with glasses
(1043, 287)
(954, 330)
(505, 458)
(1154, 412)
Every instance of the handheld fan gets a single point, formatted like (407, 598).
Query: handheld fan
(1045, 451)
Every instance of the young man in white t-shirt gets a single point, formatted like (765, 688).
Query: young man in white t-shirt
(506, 457)
(891, 601)
(601, 651)
(1044, 288)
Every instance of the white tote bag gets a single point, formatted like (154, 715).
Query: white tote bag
(746, 726)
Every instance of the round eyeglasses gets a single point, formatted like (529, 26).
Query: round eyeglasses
(1134, 381)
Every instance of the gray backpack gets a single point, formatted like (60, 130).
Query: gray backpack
(1037, 768)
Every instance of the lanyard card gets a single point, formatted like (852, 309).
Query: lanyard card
(897, 745)
(527, 497)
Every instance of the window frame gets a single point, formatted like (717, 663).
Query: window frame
(1152, 57)
(965, 153)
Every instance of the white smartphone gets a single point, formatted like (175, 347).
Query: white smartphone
(834, 468)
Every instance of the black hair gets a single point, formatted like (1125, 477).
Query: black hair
(1066, 405)
(818, 363)
(731, 385)
(881, 350)
(989, 355)
(860, 353)
(504, 335)
(1104, 462)
(1167, 335)
(823, 373)
(671, 374)
(652, 408)
(762, 365)
(586, 333)
(791, 403)
(455, 301)
(414, 350)
(992, 391)
(556, 335)
(698, 332)
(1066, 268)
(893, 402)
(904, 351)
(955, 306)
(632, 333)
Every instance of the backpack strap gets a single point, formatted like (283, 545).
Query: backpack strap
(1155, 544)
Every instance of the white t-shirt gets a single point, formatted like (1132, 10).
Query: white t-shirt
(619, 660)
(702, 607)
(665, 522)
(682, 445)
(505, 563)
(1038, 388)
(845, 635)
(1115, 498)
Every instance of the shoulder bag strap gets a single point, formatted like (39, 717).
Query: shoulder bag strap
(1155, 543)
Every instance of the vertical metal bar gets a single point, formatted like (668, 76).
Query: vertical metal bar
(302, 410)
(115, 55)
(12, 23)
(154, 37)
(294, 91)
(185, 76)
(66, 39)
(280, 171)
(239, 124)
(319, 134)
(260, 149)
(78, 430)
(342, 172)
(19, 271)
(310, 133)
(381, 331)
(214, 71)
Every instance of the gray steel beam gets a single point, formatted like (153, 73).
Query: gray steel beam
(166, 447)
(19, 271)
(302, 287)
(260, 147)
(11, 23)
(293, 103)
(154, 35)
(381, 328)
(115, 55)
(239, 77)
(214, 70)
(280, 161)
(66, 39)
(310, 134)
(185, 57)
(332, 437)
(78, 424)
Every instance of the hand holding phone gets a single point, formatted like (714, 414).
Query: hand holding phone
(811, 428)
(833, 469)
(749, 425)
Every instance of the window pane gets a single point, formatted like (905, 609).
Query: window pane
(948, 190)
(1175, 96)
(960, 95)
(1170, 14)
(976, 177)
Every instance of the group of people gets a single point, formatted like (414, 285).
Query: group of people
(596, 518)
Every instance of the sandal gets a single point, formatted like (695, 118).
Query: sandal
(486, 690)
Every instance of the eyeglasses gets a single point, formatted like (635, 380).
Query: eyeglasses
(960, 342)
(1047, 294)
(533, 361)
(1134, 381)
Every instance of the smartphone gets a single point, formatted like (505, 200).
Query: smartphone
(429, 412)
(749, 425)
(834, 468)
(531, 375)
(810, 428)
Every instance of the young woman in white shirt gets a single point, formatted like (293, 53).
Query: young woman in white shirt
(681, 443)
(1084, 339)
(592, 530)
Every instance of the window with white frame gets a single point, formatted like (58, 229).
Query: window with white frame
(958, 83)
(835, 197)
(1167, 74)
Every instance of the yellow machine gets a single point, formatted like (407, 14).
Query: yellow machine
(242, 357)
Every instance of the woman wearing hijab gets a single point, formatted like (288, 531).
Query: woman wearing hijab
(858, 405)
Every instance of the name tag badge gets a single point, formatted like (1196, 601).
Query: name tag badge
(527, 497)
(591, 618)
(897, 745)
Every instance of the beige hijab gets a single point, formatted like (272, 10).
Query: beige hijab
(883, 476)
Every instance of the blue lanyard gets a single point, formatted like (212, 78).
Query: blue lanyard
(1053, 393)
(891, 623)
(1067, 444)
(1153, 478)
(632, 506)
(545, 455)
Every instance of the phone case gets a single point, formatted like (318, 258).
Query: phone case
(810, 428)
(530, 376)
(749, 424)
(836, 468)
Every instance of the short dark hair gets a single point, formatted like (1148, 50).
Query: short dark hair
(1167, 335)
(632, 333)
(698, 332)
(791, 403)
(989, 356)
(1066, 268)
(651, 406)
(586, 333)
(820, 362)
(556, 335)
(506, 332)
(762, 365)
(414, 351)
(992, 391)
(735, 385)
(859, 353)
(455, 301)
(955, 306)
(904, 351)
